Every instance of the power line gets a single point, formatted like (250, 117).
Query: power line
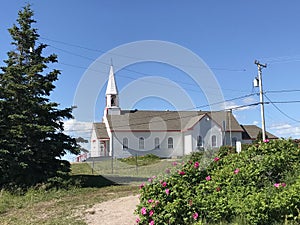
(282, 59)
(190, 109)
(273, 103)
(127, 56)
(243, 106)
(283, 91)
(229, 100)
(187, 116)
(283, 102)
(129, 70)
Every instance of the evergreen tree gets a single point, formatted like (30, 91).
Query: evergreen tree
(32, 141)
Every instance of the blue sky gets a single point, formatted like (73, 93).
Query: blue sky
(227, 35)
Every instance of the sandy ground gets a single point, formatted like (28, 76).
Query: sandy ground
(114, 212)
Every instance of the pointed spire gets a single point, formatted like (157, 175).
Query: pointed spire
(111, 84)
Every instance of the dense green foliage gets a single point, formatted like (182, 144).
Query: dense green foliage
(261, 185)
(32, 141)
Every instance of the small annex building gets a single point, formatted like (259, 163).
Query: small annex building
(125, 133)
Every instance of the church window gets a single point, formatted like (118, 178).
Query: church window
(125, 143)
(214, 141)
(141, 143)
(199, 141)
(156, 143)
(170, 142)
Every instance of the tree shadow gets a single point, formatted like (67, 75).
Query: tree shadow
(93, 181)
(99, 181)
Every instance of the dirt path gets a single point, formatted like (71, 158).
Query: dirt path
(114, 212)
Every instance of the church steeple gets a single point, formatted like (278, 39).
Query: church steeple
(112, 98)
(111, 84)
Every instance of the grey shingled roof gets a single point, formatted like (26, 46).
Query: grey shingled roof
(231, 122)
(146, 120)
(101, 131)
(251, 132)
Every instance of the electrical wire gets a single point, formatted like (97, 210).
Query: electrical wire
(129, 70)
(283, 91)
(127, 56)
(176, 116)
(283, 113)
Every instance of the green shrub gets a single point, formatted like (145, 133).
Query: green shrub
(261, 185)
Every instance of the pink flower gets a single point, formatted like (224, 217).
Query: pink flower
(196, 165)
(236, 171)
(150, 180)
(283, 184)
(276, 185)
(168, 171)
(153, 177)
(137, 220)
(208, 178)
(151, 222)
(142, 185)
(181, 172)
(195, 216)
(144, 211)
(167, 191)
(156, 202)
(216, 159)
(150, 200)
(218, 189)
(174, 163)
(151, 213)
(164, 184)
(266, 141)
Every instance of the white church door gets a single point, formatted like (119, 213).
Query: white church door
(102, 148)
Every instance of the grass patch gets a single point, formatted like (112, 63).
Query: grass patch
(63, 207)
(141, 160)
(56, 206)
(80, 169)
(147, 166)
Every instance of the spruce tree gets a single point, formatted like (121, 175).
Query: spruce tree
(32, 141)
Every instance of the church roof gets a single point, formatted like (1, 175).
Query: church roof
(231, 123)
(111, 88)
(251, 131)
(101, 132)
(147, 120)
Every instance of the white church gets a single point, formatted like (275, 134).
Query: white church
(125, 133)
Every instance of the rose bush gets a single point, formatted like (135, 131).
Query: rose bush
(261, 185)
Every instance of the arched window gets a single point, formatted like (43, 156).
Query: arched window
(125, 143)
(199, 141)
(156, 143)
(214, 141)
(141, 143)
(170, 142)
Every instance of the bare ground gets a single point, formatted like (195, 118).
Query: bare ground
(114, 212)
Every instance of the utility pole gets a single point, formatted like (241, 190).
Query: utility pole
(261, 97)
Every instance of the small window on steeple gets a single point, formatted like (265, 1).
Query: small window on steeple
(113, 100)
